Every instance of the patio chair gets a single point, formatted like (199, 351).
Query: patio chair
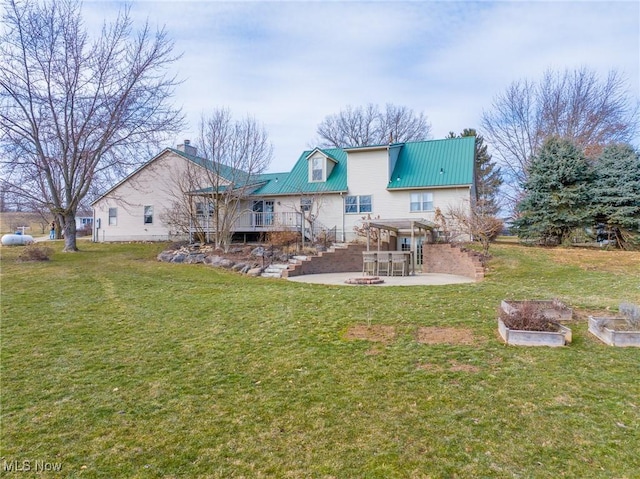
(384, 259)
(369, 264)
(398, 263)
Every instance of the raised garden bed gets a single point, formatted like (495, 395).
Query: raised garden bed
(613, 331)
(518, 337)
(534, 323)
(552, 309)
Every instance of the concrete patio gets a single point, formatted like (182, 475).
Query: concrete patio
(419, 279)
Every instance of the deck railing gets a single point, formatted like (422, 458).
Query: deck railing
(255, 221)
(249, 221)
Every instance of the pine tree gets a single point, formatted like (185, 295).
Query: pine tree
(557, 195)
(488, 176)
(616, 193)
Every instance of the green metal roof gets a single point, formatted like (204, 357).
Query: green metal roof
(434, 163)
(270, 183)
(227, 172)
(297, 181)
(420, 164)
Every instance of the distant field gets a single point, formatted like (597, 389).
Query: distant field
(115, 365)
(11, 221)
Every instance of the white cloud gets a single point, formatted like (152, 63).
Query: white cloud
(290, 64)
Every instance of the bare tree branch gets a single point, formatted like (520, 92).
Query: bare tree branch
(237, 152)
(74, 111)
(368, 125)
(576, 105)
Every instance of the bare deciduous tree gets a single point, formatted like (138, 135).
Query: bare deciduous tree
(75, 110)
(189, 212)
(362, 126)
(576, 105)
(238, 151)
(479, 224)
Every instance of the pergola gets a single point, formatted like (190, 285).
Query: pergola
(414, 227)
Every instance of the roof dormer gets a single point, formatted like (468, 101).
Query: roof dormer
(320, 166)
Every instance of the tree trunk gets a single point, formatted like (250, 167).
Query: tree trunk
(69, 229)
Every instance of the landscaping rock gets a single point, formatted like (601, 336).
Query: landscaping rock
(179, 258)
(165, 256)
(195, 258)
(226, 263)
(255, 271)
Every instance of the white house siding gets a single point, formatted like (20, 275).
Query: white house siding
(327, 207)
(154, 185)
(368, 175)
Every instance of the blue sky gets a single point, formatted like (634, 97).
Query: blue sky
(290, 64)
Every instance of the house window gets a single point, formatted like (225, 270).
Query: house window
(317, 170)
(305, 204)
(113, 216)
(358, 204)
(148, 215)
(263, 212)
(200, 208)
(421, 201)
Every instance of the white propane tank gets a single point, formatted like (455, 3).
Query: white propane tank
(16, 240)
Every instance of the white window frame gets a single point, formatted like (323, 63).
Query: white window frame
(113, 216)
(316, 174)
(148, 215)
(200, 208)
(421, 202)
(306, 204)
(358, 204)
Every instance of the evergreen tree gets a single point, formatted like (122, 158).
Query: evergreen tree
(488, 176)
(556, 199)
(616, 193)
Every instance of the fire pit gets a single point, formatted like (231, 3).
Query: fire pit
(365, 280)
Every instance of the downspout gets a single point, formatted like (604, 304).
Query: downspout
(94, 236)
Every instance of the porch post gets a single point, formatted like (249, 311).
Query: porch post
(413, 248)
(368, 237)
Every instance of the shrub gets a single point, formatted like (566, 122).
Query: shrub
(631, 313)
(282, 237)
(529, 317)
(35, 252)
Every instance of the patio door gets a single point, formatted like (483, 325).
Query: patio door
(263, 212)
(405, 245)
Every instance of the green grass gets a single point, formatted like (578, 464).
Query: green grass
(115, 365)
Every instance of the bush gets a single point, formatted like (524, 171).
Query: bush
(528, 317)
(35, 253)
(631, 313)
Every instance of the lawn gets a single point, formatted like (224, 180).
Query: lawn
(115, 365)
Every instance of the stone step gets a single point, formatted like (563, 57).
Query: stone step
(268, 274)
(277, 266)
